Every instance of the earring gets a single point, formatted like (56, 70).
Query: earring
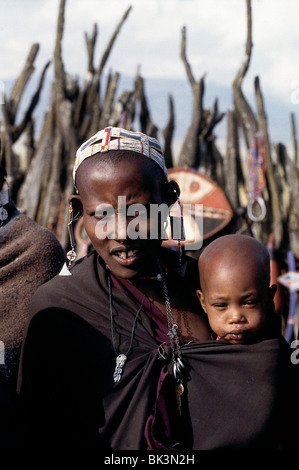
(177, 228)
(4, 199)
(71, 255)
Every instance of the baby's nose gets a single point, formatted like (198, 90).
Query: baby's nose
(237, 316)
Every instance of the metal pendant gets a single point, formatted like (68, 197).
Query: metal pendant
(179, 390)
(120, 362)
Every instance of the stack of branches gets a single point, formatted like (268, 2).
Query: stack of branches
(40, 177)
(199, 149)
(281, 171)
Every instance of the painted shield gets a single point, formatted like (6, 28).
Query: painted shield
(205, 207)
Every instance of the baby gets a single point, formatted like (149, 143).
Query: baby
(235, 291)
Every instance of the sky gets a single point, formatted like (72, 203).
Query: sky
(150, 38)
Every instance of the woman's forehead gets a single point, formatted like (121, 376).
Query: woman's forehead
(115, 170)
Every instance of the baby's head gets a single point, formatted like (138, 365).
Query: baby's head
(235, 289)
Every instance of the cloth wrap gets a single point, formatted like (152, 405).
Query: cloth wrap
(235, 395)
(29, 256)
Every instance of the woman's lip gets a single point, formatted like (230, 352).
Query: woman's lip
(119, 248)
(129, 260)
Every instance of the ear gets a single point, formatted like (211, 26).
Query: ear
(272, 291)
(172, 192)
(77, 205)
(200, 297)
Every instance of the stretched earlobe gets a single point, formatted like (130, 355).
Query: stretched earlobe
(77, 205)
(172, 192)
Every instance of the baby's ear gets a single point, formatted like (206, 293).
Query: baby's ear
(200, 297)
(272, 290)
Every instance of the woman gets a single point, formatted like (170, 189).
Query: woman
(117, 354)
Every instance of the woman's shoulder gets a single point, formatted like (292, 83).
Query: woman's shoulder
(69, 286)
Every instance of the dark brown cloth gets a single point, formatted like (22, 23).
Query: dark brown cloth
(234, 398)
(29, 256)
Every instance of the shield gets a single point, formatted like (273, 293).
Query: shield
(206, 210)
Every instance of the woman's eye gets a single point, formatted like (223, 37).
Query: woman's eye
(136, 212)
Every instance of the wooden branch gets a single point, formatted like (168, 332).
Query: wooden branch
(189, 153)
(59, 73)
(8, 156)
(17, 130)
(147, 125)
(212, 119)
(189, 73)
(20, 84)
(230, 160)
(293, 216)
(112, 41)
(29, 195)
(90, 44)
(109, 99)
(240, 101)
(276, 221)
(168, 133)
(294, 138)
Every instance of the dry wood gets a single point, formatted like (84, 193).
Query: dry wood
(168, 133)
(276, 216)
(242, 106)
(294, 138)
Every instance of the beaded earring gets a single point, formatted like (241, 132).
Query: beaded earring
(71, 255)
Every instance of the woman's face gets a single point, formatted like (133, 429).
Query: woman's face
(116, 201)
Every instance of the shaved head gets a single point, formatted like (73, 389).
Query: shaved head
(233, 251)
(235, 289)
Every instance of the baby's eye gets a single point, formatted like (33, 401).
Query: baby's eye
(220, 305)
(251, 303)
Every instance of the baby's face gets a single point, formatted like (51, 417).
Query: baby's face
(236, 301)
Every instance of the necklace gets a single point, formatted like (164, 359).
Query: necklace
(176, 354)
(120, 357)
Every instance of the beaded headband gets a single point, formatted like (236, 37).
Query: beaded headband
(115, 138)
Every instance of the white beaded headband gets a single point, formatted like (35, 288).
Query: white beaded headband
(115, 138)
